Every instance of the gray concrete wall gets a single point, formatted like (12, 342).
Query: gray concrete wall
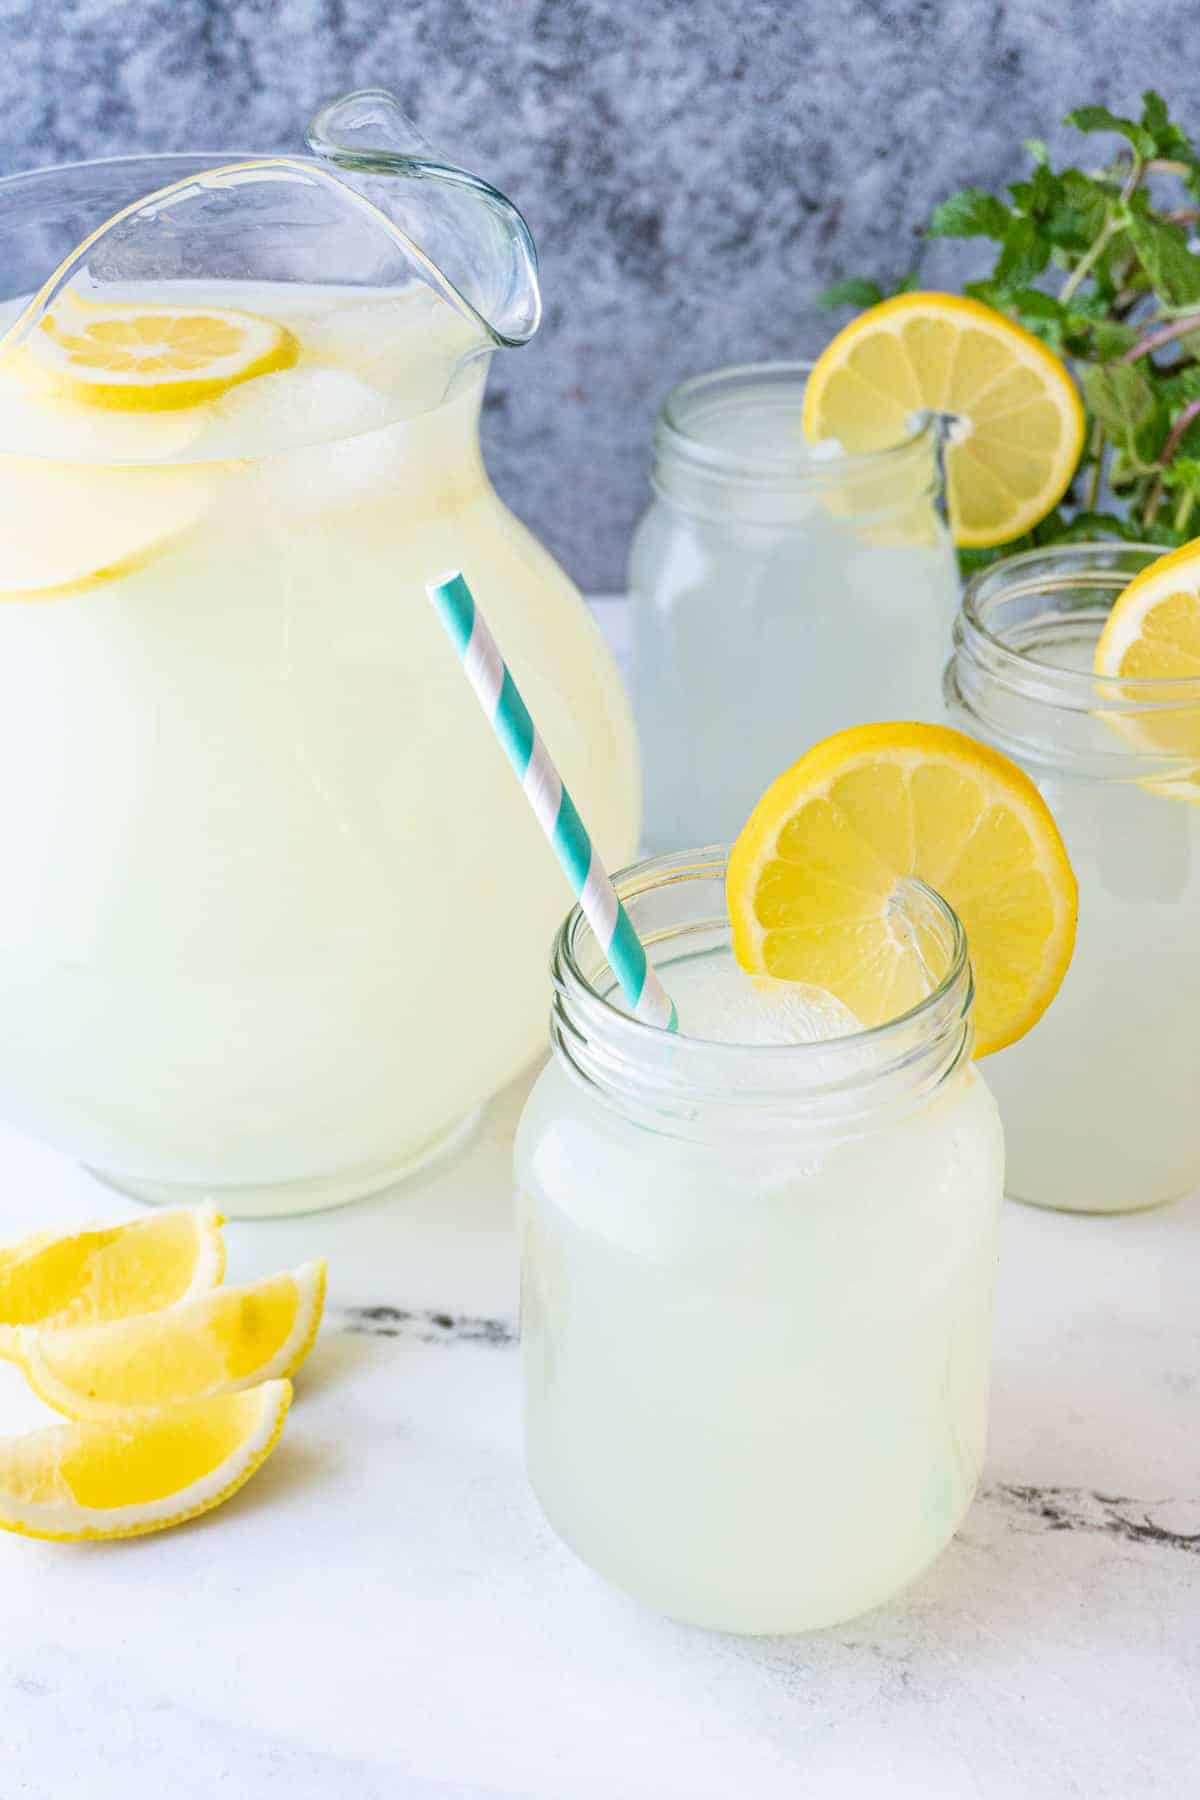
(694, 170)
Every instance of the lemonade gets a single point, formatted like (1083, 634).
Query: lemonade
(758, 1265)
(822, 585)
(261, 854)
(1100, 1103)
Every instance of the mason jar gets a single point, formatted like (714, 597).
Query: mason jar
(757, 1282)
(1101, 1104)
(780, 591)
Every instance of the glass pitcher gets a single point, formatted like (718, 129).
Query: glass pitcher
(274, 913)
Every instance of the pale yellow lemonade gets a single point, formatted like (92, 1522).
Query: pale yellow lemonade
(756, 1366)
(273, 908)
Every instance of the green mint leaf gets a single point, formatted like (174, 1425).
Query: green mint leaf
(1170, 140)
(1040, 195)
(1037, 149)
(1162, 251)
(989, 293)
(971, 561)
(1031, 303)
(1098, 118)
(972, 213)
(1111, 339)
(1121, 397)
(1177, 390)
(1184, 472)
(1086, 527)
(853, 291)
(1078, 213)
(1083, 527)
(1024, 255)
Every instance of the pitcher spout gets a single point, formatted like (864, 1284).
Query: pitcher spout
(471, 237)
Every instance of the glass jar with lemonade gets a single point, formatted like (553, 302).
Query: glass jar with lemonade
(260, 849)
(1083, 662)
(799, 549)
(758, 1254)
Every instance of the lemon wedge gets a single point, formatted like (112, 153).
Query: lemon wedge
(813, 875)
(138, 1472)
(1019, 422)
(223, 1342)
(106, 1272)
(146, 358)
(1153, 634)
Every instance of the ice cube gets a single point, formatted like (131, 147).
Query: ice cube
(289, 409)
(722, 1004)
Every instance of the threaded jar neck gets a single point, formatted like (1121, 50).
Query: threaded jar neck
(690, 1087)
(1021, 672)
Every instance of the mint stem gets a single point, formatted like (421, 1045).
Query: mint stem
(1087, 262)
(1178, 431)
(1165, 334)
(1096, 473)
(1175, 437)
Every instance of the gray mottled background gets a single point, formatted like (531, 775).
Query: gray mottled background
(694, 170)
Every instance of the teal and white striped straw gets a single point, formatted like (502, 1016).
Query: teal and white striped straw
(497, 693)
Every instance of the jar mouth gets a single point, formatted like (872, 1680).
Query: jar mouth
(677, 902)
(698, 398)
(1100, 571)
(1022, 666)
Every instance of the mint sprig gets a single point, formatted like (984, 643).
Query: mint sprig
(1103, 266)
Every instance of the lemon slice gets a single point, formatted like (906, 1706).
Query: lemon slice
(65, 529)
(1019, 420)
(138, 1472)
(223, 1342)
(813, 875)
(145, 358)
(110, 1271)
(1153, 634)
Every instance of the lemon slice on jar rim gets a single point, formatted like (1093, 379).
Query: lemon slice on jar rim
(1152, 634)
(814, 872)
(1017, 420)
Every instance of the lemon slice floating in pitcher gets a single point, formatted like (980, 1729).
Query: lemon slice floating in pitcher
(145, 358)
(65, 528)
(221, 1343)
(1019, 420)
(110, 1271)
(138, 1472)
(813, 875)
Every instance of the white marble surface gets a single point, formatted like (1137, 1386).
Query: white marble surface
(383, 1615)
(382, 1612)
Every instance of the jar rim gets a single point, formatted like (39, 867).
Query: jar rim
(1084, 565)
(1010, 688)
(639, 1064)
(799, 467)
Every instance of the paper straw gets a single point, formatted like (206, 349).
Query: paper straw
(497, 693)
